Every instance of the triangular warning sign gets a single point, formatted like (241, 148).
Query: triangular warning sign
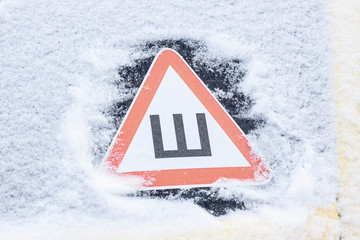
(176, 133)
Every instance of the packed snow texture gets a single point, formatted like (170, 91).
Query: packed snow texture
(58, 62)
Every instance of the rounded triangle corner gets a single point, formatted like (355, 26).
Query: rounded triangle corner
(169, 52)
(262, 175)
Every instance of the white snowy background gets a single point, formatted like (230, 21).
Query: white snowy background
(58, 60)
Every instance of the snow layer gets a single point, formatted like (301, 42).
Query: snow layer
(58, 60)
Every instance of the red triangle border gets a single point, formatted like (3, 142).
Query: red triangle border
(182, 177)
